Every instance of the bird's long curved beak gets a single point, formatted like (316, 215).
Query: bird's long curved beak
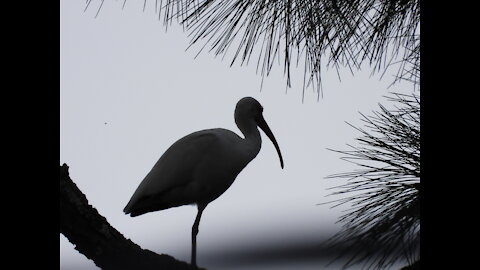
(263, 125)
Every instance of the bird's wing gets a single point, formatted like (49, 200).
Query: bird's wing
(175, 166)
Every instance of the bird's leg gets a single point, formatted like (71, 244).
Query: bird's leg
(194, 235)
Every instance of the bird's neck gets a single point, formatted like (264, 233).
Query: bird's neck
(253, 140)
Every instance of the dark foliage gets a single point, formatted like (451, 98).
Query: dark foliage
(318, 33)
(382, 223)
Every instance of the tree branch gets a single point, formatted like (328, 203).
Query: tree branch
(95, 238)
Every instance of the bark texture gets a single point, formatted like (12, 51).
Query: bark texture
(94, 237)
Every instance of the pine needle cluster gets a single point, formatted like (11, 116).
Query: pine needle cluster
(315, 33)
(381, 224)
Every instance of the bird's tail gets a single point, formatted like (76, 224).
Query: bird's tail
(144, 205)
(128, 209)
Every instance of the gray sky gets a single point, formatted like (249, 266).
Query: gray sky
(124, 70)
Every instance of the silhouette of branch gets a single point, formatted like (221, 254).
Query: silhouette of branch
(414, 266)
(95, 238)
(382, 224)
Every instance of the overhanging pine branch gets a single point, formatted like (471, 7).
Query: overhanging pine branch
(340, 33)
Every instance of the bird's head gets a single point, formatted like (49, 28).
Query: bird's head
(250, 108)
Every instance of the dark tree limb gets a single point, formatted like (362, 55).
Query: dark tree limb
(414, 266)
(95, 238)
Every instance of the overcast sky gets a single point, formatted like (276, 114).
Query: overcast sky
(129, 90)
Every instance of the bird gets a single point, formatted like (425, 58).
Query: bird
(198, 168)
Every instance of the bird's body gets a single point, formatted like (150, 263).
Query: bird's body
(211, 159)
(201, 166)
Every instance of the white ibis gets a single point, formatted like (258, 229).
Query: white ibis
(201, 166)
